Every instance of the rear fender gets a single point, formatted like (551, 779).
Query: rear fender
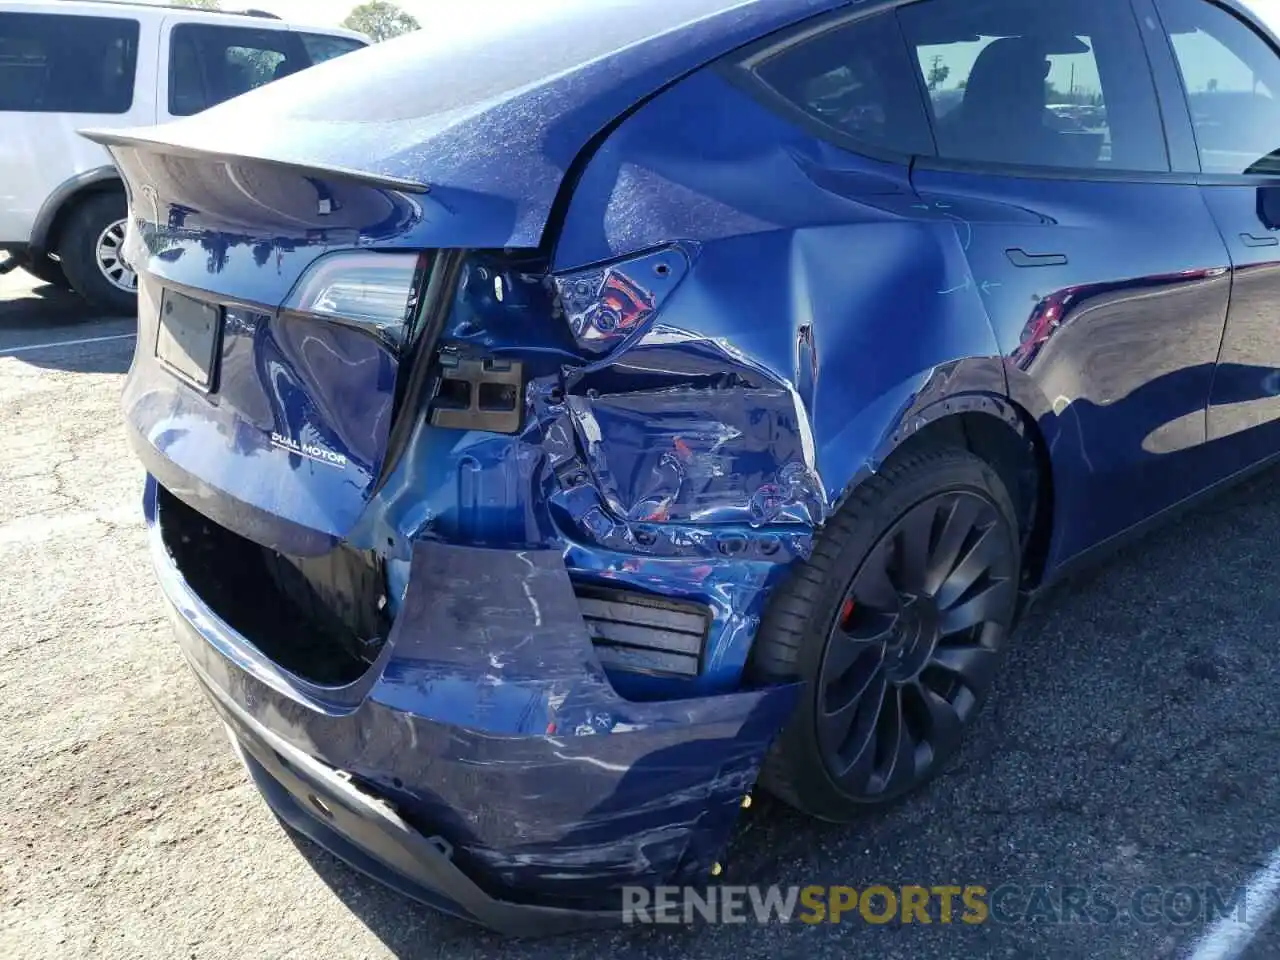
(835, 291)
(800, 335)
(923, 401)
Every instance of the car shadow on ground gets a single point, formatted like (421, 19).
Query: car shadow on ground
(1130, 745)
(41, 306)
(41, 313)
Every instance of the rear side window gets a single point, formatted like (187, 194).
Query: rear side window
(209, 64)
(1037, 82)
(321, 48)
(67, 64)
(854, 81)
(1232, 80)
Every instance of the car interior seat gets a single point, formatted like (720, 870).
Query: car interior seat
(1002, 115)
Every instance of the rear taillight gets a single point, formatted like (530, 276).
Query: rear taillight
(364, 287)
(605, 305)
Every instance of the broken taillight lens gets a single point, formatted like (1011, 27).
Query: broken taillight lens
(605, 305)
(377, 289)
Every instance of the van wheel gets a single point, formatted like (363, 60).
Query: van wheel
(894, 627)
(90, 248)
(47, 270)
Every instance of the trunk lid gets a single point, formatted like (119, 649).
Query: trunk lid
(268, 413)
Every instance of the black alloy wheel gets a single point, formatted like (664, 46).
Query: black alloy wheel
(906, 662)
(895, 625)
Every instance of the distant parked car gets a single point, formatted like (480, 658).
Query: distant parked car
(68, 63)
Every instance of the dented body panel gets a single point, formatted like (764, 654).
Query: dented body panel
(469, 752)
(819, 316)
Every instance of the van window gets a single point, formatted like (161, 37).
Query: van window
(57, 63)
(209, 64)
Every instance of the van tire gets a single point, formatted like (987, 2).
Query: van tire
(78, 251)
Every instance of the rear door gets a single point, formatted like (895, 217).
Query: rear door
(1104, 276)
(1225, 85)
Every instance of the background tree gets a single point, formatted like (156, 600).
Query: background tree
(380, 20)
(938, 72)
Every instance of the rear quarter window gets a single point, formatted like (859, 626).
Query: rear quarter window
(1231, 78)
(51, 63)
(853, 82)
(1045, 84)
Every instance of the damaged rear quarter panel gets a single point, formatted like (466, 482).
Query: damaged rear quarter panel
(690, 453)
(812, 310)
(824, 306)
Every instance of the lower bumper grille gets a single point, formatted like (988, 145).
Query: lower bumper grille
(638, 633)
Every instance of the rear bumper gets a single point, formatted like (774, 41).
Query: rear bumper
(484, 765)
(366, 832)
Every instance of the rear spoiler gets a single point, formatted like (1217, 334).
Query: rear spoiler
(117, 138)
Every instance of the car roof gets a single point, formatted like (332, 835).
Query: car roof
(246, 17)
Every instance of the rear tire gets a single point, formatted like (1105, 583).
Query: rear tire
(93, 231)
(895, 627)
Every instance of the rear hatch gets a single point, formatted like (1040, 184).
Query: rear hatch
(286, 240)
(269, 349)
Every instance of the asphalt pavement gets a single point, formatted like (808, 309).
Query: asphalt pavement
(1131, 754)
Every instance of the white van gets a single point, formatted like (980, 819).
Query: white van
(68, 64)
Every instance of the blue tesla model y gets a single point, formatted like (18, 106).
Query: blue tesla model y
(564, 419)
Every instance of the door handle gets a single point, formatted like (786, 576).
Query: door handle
(1020, 258)
(1252, 240)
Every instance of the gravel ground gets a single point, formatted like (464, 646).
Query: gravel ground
(1133, 741)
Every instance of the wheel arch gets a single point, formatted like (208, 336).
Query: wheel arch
(1003, 436)
(972, 410)
(59, 205)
